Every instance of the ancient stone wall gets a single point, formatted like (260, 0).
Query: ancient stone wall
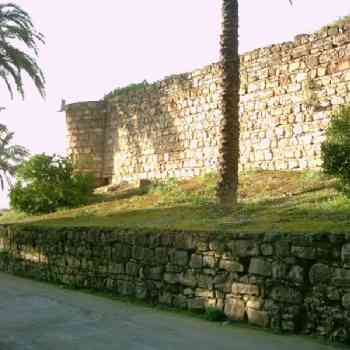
(171, 128)
(297, 283)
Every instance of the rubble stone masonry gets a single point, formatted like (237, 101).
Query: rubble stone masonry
(171, 128)
(290, 283)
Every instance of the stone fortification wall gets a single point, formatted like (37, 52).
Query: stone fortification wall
(171, 128)
(86, 124)
(298, 284)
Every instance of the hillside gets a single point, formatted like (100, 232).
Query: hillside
(291, 202)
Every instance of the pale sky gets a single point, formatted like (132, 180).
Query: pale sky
(93, 47)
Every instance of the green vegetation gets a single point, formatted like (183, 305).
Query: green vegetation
(339, 22)
(46, 183)
(10, 156)
(214, 315)
(127, 89)
(336, 148)
(17, 30)
(282, 202)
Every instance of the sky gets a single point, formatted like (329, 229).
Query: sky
(92, 48)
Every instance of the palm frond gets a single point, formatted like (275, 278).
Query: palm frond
(16, 26)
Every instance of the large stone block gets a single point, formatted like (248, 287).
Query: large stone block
(235, 309)
(258, 318)
(260, 267)
(320, 273)
(188, 279)
(196, 261)
(181, 258)
(231, 266)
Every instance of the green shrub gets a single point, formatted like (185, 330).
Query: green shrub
(214, 315)
(46, 183)
(336, 149)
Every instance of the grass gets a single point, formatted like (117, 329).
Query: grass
(269, 201)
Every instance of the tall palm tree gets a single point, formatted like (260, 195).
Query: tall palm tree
(10, 156)
(16, 28)
(229, 132)
(229, 129)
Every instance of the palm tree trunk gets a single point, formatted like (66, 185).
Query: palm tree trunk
(229, 129)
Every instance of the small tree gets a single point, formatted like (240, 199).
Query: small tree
(46, 183)
(336, 149)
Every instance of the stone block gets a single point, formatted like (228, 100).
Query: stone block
(196, 304)
(245, 289)
(279, 271)
(196, 261)
(258, 318)
(341, 278)
(345, 253)
(286, 295)
(235, 309)
(304, 252)
(188, 279)
(171, 278)
(231, 266)
(320, 273)
(346, 301)
(244, 248)
(131, 269)
(266, 249)
(181, 258)
(260, 267)
(296, 275)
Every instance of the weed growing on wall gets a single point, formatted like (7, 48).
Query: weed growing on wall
(127, 89)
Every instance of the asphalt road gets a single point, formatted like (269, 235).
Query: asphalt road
(39, 316)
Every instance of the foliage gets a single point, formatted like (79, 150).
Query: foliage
(10, 156)
(338, 23)
(127, 89)
(47, 183)
(214, 315)
(172, 192)
(17, 29)
(336, 148)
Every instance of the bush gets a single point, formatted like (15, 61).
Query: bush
(47, 183)
(336, 148)
(214, 315)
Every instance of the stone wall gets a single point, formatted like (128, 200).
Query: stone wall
(171, 128)
(296, 283)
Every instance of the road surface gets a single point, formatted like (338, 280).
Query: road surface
(39, 316)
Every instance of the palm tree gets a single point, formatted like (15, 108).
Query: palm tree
(229, 132)
(229, 129)
(10, 156)
(16, 28)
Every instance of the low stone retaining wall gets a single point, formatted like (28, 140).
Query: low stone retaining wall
(292, 283)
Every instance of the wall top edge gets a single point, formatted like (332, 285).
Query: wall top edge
(246, 59)
(82, 105)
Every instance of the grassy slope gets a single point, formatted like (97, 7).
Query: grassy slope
(293, 202)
